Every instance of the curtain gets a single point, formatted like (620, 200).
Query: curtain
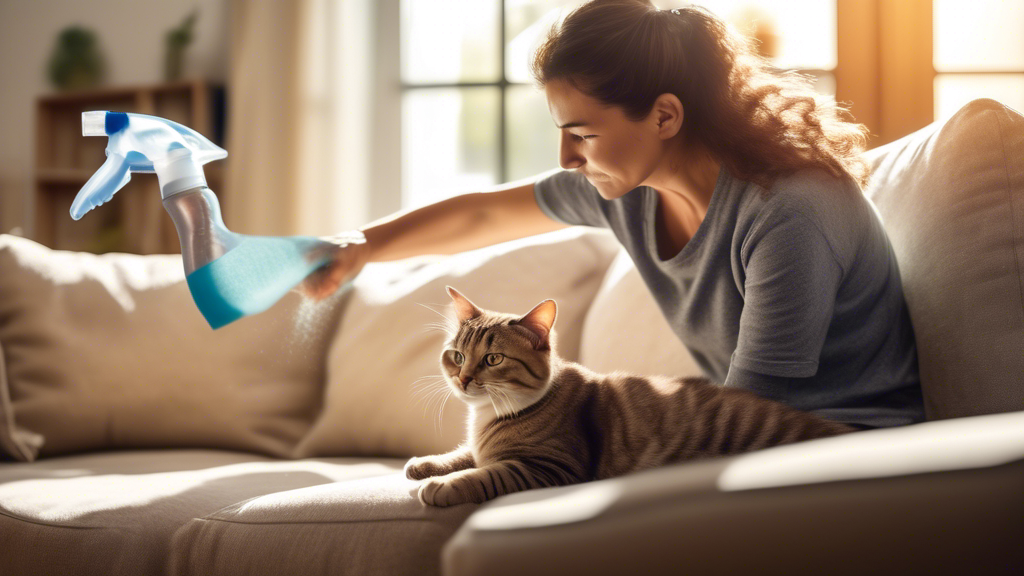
(298, 109)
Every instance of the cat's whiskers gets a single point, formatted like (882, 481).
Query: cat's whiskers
(438, 327)
(440, 411)
(490, 397)
(432, 391)
(493, 393)
(427, 383)
(430, 395)
(440, 397)
(450, 325)
(502, 398)
(439, 378)
(508, 401)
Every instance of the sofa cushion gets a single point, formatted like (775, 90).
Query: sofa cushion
(110, 352)
(373, 525)
(951, 197)
(625, 329)
(930, 498)
(384, 390)
(115, 513)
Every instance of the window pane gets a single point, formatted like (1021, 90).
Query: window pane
(952, 91)
(450, 41)
(532, 136)
(980, 35)
(527, 23)
(794, 34)
(449, 142)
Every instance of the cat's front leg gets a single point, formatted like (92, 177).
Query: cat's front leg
(439, 465)
(476, 485)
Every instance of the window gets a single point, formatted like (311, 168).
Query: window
(471, 118)
(978, 53)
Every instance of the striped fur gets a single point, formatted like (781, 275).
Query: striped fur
(538, 420)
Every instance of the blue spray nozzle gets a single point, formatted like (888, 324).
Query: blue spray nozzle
(146, 144)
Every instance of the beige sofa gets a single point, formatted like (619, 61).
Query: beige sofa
(134, 440)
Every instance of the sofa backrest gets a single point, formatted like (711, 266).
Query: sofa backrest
(951, 197)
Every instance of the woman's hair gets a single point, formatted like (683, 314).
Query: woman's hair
(760, 122)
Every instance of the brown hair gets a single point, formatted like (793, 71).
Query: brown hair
(760, 122)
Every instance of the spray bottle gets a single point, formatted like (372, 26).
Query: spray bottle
(230, 275)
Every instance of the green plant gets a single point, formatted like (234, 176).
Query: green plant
(76, 62)
(177, 40)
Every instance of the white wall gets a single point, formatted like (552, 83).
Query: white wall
(131, 36)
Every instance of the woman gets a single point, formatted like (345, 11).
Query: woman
(735, 189)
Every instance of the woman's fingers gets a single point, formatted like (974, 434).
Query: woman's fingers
(344, 254)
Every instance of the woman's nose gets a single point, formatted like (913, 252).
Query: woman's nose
(568, 158)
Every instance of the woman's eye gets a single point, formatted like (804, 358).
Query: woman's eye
(459, 358)
(580, 138)
(494, 359)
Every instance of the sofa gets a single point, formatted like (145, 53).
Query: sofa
(135, 440)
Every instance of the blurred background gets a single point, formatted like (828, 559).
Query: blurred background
(338, 112)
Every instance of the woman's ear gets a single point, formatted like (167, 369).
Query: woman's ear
(464, 309)
(540, 320)
(668, 115)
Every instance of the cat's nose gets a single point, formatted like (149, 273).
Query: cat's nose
(465, 380)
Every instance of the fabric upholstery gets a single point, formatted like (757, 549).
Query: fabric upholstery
(384, 390)
(625, 330)
(930, 498)
(115, 513)
(951, 197)
(110, 352)
(372, 525)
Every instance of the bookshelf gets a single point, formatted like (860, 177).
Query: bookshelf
(134, 220)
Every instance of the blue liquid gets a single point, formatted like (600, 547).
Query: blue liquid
(251, 277)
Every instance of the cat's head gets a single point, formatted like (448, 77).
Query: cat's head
(498, 360)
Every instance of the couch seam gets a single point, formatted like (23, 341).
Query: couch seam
(1013, 215)
(49, 525)
(303, 522)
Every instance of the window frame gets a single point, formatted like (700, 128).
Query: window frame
(893, 96)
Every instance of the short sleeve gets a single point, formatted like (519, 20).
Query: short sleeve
(567, 197)
(789, 291)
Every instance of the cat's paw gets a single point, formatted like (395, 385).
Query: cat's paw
(442, 492)
(420, 468)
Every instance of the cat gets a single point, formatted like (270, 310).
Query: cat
(538, 420)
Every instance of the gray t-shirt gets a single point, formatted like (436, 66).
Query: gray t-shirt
(794, 295)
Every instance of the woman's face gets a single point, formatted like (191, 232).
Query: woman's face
(614, 153)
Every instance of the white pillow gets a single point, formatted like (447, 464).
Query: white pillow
(386, 344)
(626, 331)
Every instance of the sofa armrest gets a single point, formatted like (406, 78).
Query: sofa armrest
(942, 496)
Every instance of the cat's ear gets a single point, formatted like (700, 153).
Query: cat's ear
(464, 309)
(540, 321)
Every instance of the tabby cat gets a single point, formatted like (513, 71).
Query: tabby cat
(537, 420)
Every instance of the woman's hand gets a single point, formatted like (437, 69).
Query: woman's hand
(347, 253)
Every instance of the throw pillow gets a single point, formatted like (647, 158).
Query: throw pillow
(110, 352)
(625, 330)
(384, 390)
(951, 197)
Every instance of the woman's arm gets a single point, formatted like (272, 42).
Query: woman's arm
(458, 224)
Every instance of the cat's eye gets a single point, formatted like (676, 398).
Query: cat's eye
(493, 359)
(459, 358)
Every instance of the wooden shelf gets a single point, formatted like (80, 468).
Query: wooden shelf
(63, 175)
(134, 220)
